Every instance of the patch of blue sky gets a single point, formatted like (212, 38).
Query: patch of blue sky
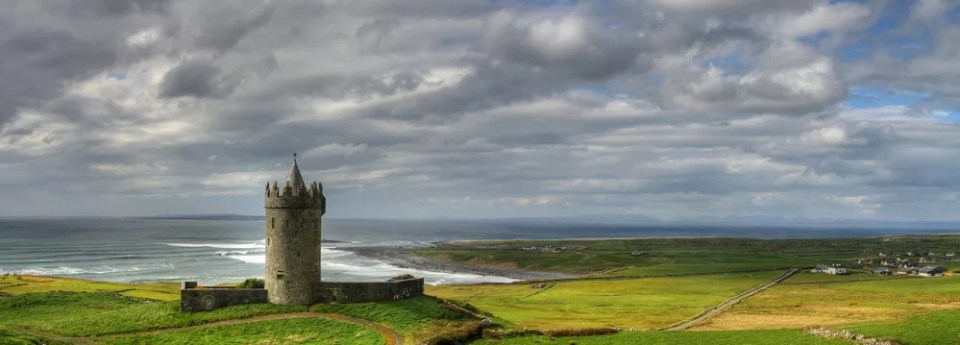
(117, 75)
(862, 97)
(953, 116)
(729, 62)
(885, 35)
(871, 97)
(953, 14)
(856, 50)
(891, 17)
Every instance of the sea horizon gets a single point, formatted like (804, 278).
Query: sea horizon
(217, 251)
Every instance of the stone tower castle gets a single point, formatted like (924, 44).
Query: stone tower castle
(293, 239)
(292, 266)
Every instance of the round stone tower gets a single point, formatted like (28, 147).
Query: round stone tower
(293, 239)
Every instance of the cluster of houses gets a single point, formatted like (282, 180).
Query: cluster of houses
(911, 263)
(551, 249)
(925, 271)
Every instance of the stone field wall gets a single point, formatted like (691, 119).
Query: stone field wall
(193, 298)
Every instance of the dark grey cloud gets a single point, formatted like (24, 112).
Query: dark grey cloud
(196, 78)
(227, 24)
(115, 7)
(36, 62)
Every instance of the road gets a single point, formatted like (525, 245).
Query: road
(710, 313)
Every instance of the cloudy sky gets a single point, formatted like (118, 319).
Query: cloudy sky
(676, 109)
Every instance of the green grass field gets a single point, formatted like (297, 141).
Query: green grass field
(673, 338)
(77, 308)
(669, 256)
(298, 331)
(646, 303)
(407, 317)
(937, 328)
(816, 299)
(87, 314)
(167, 291)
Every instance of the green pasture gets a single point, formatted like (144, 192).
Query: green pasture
(647, 303)
(670, 256)
(792, 337)
(407, 317)
(294, 331)
(803, 301)
(167, 291)
(99, 313)
(937, 328)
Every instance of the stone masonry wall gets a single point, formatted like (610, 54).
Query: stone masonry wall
(210, 299)
(292, 267)
(347, 292)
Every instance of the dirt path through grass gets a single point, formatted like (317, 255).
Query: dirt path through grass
(710, 313)
(390, 336)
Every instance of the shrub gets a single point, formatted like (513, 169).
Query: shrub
(252, 283)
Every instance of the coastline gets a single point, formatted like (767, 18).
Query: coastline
(397, 256)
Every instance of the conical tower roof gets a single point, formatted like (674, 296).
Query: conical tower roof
(294, 177)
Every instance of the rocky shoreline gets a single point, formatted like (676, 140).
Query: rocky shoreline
(401, 257)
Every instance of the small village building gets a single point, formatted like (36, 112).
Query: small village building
(931, 271)
(906, 270)
(836, 269)
(927, 260)
(638, 252)
(882, 271)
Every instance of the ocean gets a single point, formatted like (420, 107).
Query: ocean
(212, 251)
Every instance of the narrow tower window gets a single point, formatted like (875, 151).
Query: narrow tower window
(273, 223)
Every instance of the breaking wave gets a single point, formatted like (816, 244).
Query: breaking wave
(254, 245)
(66, 270)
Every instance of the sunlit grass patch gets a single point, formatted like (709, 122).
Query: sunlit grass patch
(793, 337)
(624, 303)
(835, 302)
(166, 291)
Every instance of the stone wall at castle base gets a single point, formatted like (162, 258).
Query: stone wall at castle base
(210, 299)
(195, 298)
(347, 292)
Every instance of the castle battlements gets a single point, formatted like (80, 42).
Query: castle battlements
(295, 193)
